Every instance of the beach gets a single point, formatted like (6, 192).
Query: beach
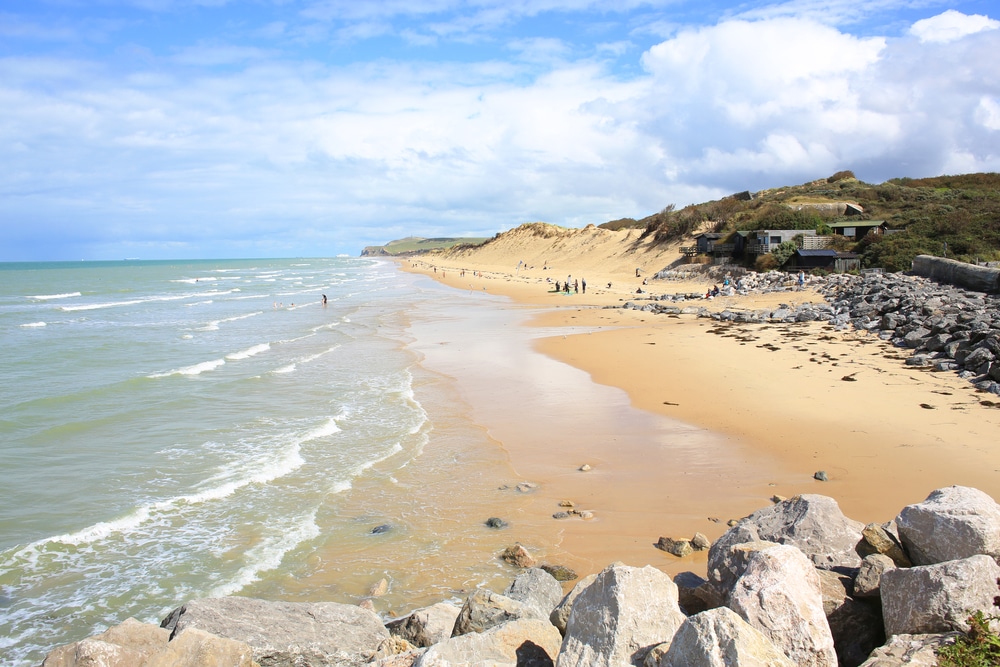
(715, 419)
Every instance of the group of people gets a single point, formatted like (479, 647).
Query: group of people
(575, 284)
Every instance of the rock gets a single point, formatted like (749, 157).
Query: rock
(286, 633)
(725, 568)
(367, 604)
(526, 487)
(877, 539)
(585, 467)
(585, 514)
(679, 548)
(195, 648)
(937, 598)
(379, 588)
(567, 503)
(869, 580)
(909, 651)
(559, 572)
(856, 625)
(619, 617)
(810, 522)
(127, 644)
(426, 626)
(495, 522)
(721, 638)
(520, 643)
(561, 515)
(952, 523)
(560, 615)
(537, 589)
(378, 530)
(392, 646)
(517, 556)
(484, 609)
(779, 594)
(820, 475)
(688, 586)
(700, 542)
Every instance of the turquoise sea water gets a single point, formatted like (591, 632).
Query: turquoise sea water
(171, 430)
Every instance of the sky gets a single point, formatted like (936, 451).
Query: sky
(175, 129)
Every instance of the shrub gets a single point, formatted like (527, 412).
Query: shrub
(979, 647)
(840, 175)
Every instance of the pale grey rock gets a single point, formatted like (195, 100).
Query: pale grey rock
(426, 626)
(619, 617)
(520, 643)
(869, 580)
(196, 648)
(484, 609)
(938, 598)
(721, 638)
(127, 644)
(726, 564)
(700, 542)
(286, 634)
(560, 615)
(779, 594)
(537, 589)
(909, 651)
(952, 523)
(813, 523)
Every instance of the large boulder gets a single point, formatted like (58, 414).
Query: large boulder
(484, 609)
(426, 626)
(619, 617)
(810, 522)
(868, 582)
(286, 634)
(537, 589)
(938, 598)
(135, 644)
(952, 523)
(882, 539)
(521, 643)
(909, 651)
(560, 615)
(721, 638)
(726, 564)
(779, 594)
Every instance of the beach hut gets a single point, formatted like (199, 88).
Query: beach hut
(763, 241)
(858, 229)
(826, 259)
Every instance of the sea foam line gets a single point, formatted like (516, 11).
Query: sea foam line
(249, 352)
(46, 297)
(196, 369)
(214, 324)
(33, 324)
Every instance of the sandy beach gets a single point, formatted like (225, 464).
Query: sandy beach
(714, 419)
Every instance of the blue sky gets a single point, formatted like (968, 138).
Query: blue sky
(277, 128)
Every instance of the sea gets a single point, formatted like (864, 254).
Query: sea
(180, 429)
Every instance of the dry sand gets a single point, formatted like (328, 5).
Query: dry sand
(772, 404)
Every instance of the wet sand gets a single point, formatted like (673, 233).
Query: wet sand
(685, 420)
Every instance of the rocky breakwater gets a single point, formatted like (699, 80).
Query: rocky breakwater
(947, 328)
(796, 583)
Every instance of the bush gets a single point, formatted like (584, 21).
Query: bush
(840, 175)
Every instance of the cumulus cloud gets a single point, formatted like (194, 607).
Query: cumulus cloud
(950, 26)
(247, 145)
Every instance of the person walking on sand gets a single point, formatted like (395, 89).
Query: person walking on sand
(583, 284)
(576, 287)
(802, 279)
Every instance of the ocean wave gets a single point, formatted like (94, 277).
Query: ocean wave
(34, 324)
(249, 352)
(214, 324)
(290, 368)
(196, 369)
(134, 302)
(46, 297)
(269, 554)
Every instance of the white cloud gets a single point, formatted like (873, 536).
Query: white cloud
(988, 113)
(950, 26)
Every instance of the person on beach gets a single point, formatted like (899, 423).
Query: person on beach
(715, 290)
(576, 287)
(583, 284)
(324, 299)
(566, 287)
(802, 278)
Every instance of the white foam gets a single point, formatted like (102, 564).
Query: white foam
(214, 324)
(46, 297)
(268, 555)
(34, 324)
(249, 352)
(196, 369)
(102, 529)
(290, 368)
(329, 428)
